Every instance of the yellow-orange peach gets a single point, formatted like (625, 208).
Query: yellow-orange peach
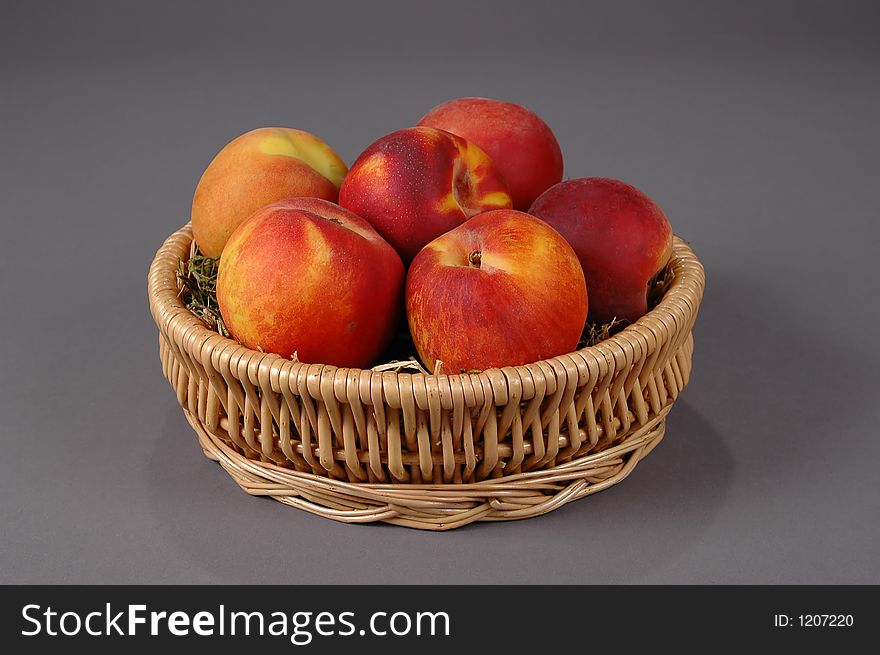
(254, 169)
(417, 183)
(306, 276)
(502, 289)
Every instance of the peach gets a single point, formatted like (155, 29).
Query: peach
(501, 289)
(622, 238)
(521, 144)
(417, 183)
(254, 169)
(305, 276)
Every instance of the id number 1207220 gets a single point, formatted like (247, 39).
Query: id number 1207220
(813, 620)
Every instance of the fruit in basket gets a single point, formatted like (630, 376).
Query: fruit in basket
(501, 289)
(622, 238)
(254, 169)
(521, 144)
(306, 276)
(417, 183)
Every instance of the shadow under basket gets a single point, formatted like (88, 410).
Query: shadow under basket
(428, 451)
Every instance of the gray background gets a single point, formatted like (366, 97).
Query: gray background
(754, 126)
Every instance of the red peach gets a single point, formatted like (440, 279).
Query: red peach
(521, 144)
(254, 169)
(502, 289)
(305, 276)
(417, 183)
(622, 238)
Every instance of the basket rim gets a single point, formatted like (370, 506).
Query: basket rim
(674, 313)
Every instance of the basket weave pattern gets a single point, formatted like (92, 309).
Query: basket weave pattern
(428, 451)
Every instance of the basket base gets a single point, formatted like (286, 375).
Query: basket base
(432, 506)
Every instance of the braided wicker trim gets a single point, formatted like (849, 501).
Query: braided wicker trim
(428, 451)
(436, 507)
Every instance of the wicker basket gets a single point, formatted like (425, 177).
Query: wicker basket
(428, 451)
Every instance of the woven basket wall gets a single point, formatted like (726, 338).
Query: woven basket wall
(428, 451)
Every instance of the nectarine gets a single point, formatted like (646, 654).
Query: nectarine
(417, 183)
(622, 238)
(502, 289)
(305, 276)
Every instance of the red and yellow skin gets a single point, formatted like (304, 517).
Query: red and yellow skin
(523, 147)
(417, 183)
(502, 289)
(305, 276)
(254, 169)
(622, 238)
